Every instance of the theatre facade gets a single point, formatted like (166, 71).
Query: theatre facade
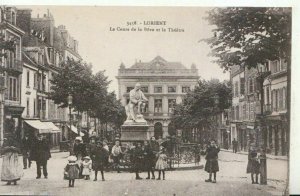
(164, 83)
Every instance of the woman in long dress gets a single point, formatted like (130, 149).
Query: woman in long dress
(11, 167)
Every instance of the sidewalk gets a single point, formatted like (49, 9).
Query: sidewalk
(269, 156)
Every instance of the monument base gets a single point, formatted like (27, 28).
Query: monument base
(135, 132)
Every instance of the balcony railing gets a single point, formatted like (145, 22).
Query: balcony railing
(160, 72)
(158, 113)
(15, 66)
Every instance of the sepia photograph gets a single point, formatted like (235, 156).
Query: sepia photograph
(145, 100)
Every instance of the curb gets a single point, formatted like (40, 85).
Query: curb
(268, 156)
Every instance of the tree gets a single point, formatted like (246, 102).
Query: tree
(74, 78)
(89, 91)
(201, 105)
(250, 36)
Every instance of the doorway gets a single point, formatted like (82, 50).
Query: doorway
(158, 130)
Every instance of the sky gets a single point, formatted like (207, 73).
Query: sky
(107, 49)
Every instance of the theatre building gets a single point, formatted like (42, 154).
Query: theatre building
(164, 83)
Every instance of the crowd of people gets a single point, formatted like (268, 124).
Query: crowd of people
(96, 155)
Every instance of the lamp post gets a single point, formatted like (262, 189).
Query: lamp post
(215, 112)
(70, 101)
(263, 72)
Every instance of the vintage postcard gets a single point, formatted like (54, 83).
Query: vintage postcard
(145, 100)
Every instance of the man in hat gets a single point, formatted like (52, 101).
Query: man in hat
(26, 145)
(40, 152)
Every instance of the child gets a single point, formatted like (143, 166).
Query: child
(197, 155)
(253, 164)
(72, 170)
(87, 167)
(100, 157)
(212, 165)
(161, 163)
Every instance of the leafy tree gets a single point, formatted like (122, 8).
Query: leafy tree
(201, 105)
(74, 78)
(250, 36)
(89, 92)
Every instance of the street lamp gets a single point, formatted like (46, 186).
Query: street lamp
(262, 73)
(70, 102)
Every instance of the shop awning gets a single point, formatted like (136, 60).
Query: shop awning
(40, 126)
(54, 128)
(74, 129)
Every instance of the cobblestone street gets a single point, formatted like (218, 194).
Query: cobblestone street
(231, 180)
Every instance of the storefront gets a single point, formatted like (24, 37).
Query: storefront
(12, 121)
(277, 135)
(35, 126)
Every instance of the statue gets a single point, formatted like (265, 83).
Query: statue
(136, 99)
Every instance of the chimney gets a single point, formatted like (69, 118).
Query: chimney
(24, 19)
(38, 16)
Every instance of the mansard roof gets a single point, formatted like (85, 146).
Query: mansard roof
(158, 63)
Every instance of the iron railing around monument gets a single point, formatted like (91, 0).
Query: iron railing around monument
(182, 155)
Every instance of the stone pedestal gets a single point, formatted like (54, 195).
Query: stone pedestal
(135, 131)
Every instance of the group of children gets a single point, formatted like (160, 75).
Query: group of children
(72, 169)
(86, 165)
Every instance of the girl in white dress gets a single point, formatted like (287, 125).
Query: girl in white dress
(87, 167)
(161, 163)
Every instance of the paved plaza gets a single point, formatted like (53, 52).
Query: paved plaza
(231, 180)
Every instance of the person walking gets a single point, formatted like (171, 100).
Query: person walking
(116, 153)
(99, 158)
(26, 143)
(234, 145)
(161, 163)
(253, 165)
(79, 150)
(149, 159)
(212, 165)
(138, 156)
(71, 170)
(11, 167)
(40, 153)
